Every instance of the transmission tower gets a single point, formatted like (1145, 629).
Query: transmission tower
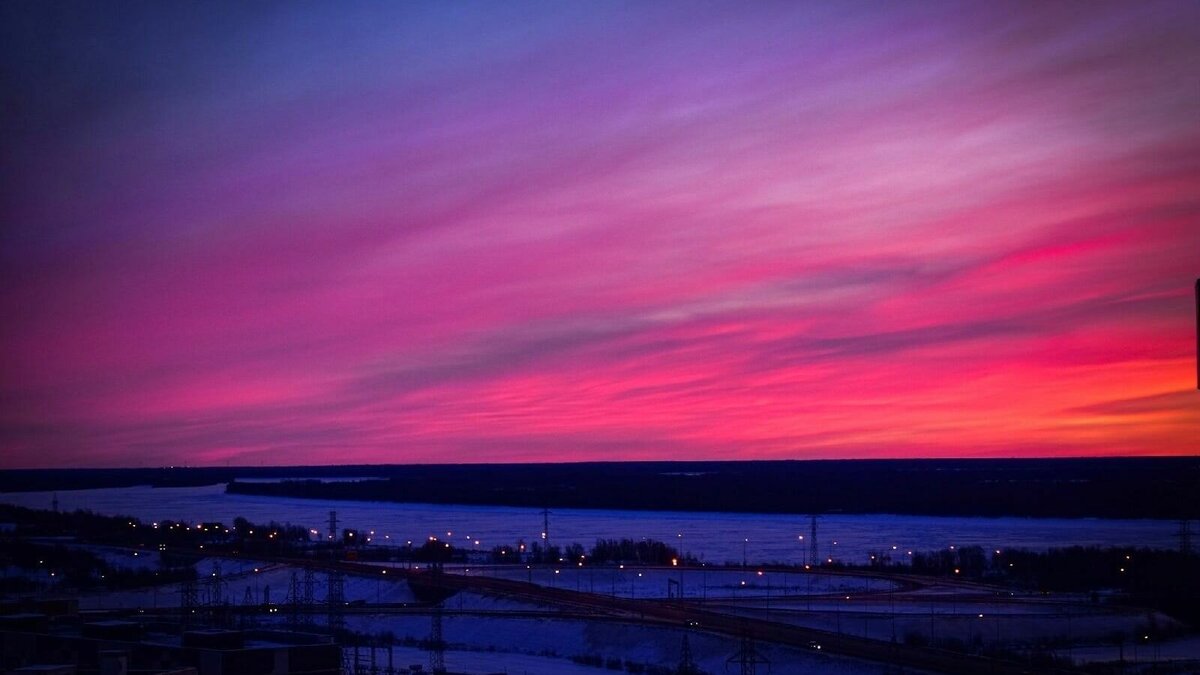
(306, 596)
(215, 585)
(748, 658)
(293, 599)
(333, 525)
(189, 598)
(310, 585)
(687, 665)
(437, 644)
(245, 617)
(335, 600)
(546, 531)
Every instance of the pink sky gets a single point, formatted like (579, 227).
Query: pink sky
(545, 232)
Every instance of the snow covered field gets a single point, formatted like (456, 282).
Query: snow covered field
(488, 634)
(545, 645)
(696, 583)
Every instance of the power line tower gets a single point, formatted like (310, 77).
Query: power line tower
(748, 658)
(245, 618)
(216, 585)
(307, 598)
(293, 599)
(189, 599)
(687, 665)
(335, 600)
(546, 531)
(437, 644)
(335, 584)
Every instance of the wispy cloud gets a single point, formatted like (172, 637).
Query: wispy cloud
(531, 232)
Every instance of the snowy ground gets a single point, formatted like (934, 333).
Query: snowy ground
(534, 640)
(123, 557)
(988, 626)
(545, 646)
(1142, 650)
(697, 583)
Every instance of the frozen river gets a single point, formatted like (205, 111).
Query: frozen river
(712, 537)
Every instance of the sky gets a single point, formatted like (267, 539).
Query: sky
(331, 233)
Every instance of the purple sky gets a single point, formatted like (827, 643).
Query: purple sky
(404, 232)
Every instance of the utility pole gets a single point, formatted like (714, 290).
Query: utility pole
(335, 584)
(437, 644)
(335, 600)
(814, 557)
(687, 665)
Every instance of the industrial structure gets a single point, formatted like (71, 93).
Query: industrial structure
(747, 657)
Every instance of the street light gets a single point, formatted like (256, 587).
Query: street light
(675, 562)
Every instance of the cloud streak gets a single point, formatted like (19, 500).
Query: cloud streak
(532, 232)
